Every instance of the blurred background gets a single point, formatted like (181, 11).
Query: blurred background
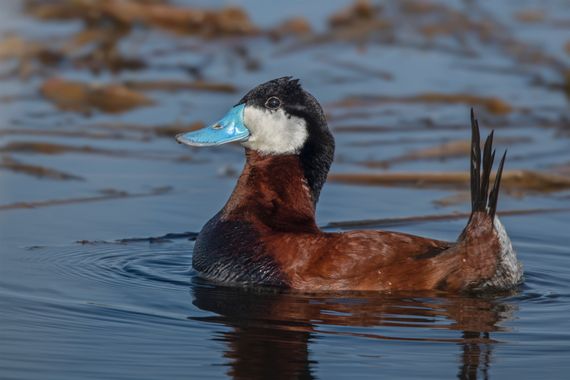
(93, 92)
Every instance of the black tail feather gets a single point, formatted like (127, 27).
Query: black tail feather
(481, 199)
(475, 160)
(494, 197)
(488, 159)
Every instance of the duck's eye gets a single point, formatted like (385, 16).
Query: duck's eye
(273, 103)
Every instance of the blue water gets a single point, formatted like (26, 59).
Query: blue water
(76, 304)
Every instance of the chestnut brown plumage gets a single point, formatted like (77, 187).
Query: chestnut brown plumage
(266, 234)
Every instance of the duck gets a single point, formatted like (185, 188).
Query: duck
(266, 235)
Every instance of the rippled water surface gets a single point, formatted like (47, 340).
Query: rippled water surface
(77, 302)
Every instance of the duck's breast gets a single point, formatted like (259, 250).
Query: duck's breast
(231, 251)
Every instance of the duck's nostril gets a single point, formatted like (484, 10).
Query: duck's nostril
(217, 126)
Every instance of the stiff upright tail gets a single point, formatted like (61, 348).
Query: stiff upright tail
(489, 258)
(483, 200)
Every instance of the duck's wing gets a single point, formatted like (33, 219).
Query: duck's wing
(358, 260)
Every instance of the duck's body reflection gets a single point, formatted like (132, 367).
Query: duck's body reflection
(272, 330)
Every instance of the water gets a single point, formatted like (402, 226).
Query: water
(74, 303)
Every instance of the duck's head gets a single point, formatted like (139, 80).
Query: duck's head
(276, 118)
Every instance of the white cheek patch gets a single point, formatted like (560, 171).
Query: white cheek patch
(274, 132)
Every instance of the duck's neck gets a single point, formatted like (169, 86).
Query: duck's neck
(274, 191)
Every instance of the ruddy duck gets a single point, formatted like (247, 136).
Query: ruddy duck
(266, 234)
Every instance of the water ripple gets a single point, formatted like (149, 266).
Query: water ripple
(165, 265)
